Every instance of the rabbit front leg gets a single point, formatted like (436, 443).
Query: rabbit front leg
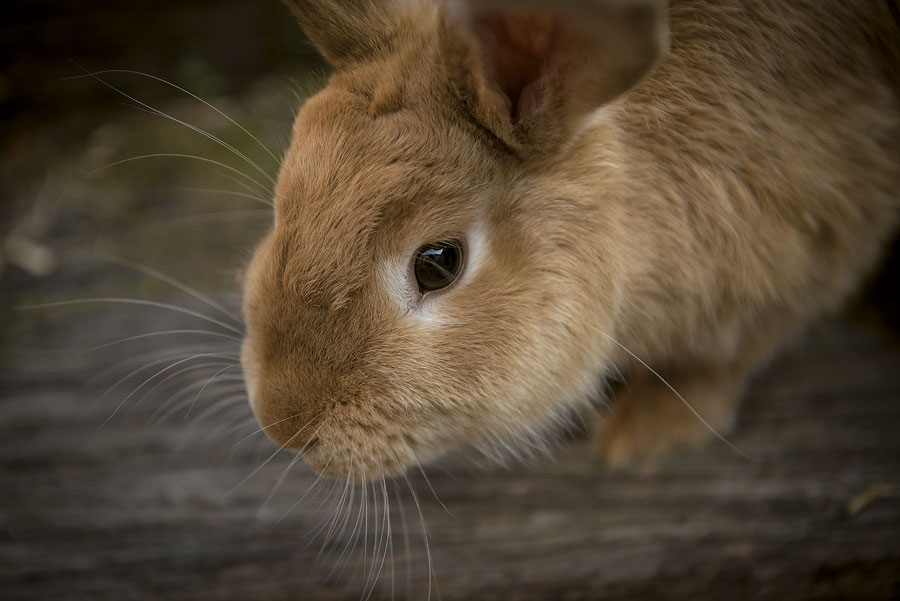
(648, 419)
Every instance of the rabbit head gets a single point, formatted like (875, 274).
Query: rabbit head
(436, 258)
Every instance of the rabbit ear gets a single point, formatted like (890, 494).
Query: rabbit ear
(348, 31)
(531, 71)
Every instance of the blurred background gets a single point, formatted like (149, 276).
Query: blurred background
(138, 143)
(62, 130)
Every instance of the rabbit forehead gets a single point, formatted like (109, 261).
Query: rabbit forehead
(354, 185)
(341, 146)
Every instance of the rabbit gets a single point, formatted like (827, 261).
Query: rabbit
(494, 208)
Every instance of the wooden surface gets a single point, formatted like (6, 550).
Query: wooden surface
(131, 511)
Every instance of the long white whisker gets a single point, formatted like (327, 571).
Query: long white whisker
(297, 458)
(330, 517)
(294, 461)
(681, 398)
(144, 108)
(352, 538)
(198, 218)
(159, 333)
(263, 429)
(424, 534)
(272, 456)
(179, 285)
(280, 141)
(177, 155)
(160, 358)
(230, 193)
(431, 488)
(390, 532)
(205, 385)
(240, 183)
(365, 528)
(175, 399)
(404, 529)
(331, 521)
(160, 372)
(309, 489)
(384, 536)
(154, 111)
(222, 405)
(189, 93)
(130, 301)
(376, 539)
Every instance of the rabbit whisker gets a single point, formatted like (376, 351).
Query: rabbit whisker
(140, 106)
(200, 218)
(332, 519)
(430, 487)
(284, 474)
(383, 538)
(404, 530)
(222, 405)
(131, 301)
(353, 536)
(690, 407)
(211, 333)
(263, 429)
(177, 396)
(143, 106)
(272, 456)
(308, 490)
(241, 183)
(236, 193)
(158, 357)
(154, 376)
(177, 155)
(205, 385)
(424, 535)
(167, 279)
(183, 90)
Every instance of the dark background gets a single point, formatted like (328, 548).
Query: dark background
(229, 41)
(138, 506)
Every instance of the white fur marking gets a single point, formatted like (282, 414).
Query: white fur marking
(591, 120)
(396, 280)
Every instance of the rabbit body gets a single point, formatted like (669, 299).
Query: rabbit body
(669, 193)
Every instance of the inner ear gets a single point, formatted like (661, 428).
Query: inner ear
(518, 48)
(536, 68)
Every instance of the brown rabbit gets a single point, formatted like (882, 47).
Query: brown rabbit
(494, 206)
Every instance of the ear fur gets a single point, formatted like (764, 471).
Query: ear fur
(531, 71)
(349, 31)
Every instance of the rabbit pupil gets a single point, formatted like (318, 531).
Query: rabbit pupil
(437, 265)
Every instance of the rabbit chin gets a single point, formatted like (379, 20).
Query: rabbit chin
(343, 454)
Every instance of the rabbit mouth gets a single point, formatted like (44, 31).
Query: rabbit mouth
(357, 452)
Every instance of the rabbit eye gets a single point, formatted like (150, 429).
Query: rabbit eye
(437, 265)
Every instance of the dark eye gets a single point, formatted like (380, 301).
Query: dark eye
(438, 265)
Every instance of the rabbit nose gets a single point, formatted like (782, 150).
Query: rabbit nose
(289, 424)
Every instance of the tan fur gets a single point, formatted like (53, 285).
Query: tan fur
(701, 219)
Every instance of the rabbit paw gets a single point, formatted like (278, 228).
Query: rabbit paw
(648, 420)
